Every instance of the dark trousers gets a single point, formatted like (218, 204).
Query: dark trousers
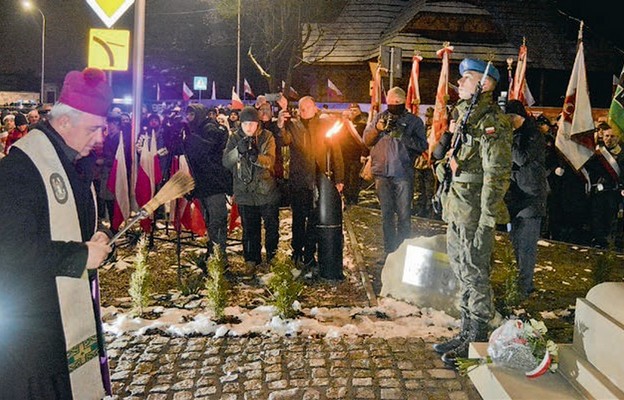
(252, 218)
(304, 221)
(215, 215)
(395, 198)
(524, 236)
(351, 190)
(604, 208)
(424, 184)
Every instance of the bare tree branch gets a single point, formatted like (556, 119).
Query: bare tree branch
(257, 64)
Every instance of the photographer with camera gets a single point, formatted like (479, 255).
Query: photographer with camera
(396, 137)
(250, 155)
(204, 146)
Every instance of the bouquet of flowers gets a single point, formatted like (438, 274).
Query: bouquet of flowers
(520, 346)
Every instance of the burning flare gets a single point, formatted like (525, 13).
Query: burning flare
(334, 129)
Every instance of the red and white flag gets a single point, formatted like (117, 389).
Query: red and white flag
(440, 114)
(413, 91)
(188, 214)
(118, 184)
(148, 176)
(237, 103)
(575, 135)
(247, 88)
(517, 89)
(214, 90)
(332, 90)
(375, 90)
(291, 93)
(187, 93)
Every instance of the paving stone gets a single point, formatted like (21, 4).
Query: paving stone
(252, 384)
(458, 396)
(386, 373)
(362, 381)
(186, 374)
(320, 373)
(388, 382)
(231, 387)
(320, 382)
(141, 379)
(336, 392)
(273, 376)
(412, 384)
(206, 391)
(412, 374)
(391, 394)
(160, 389)
(281, 384)
(119, 376)
(183, 384)
(157, 396)
(289, 394)
(439, 373)
(364, 393)
(136, 390)
(183, 396)
(311, 394)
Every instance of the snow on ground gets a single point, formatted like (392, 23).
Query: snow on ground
(391, 318)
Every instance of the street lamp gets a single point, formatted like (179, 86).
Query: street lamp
(28, 5)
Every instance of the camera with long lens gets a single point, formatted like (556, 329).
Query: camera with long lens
(390, 121)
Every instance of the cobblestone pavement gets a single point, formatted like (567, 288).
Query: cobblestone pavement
(157, 367)
(154, 366)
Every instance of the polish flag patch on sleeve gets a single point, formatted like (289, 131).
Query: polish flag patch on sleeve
(490, 130)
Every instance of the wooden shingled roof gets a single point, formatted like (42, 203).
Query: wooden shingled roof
(476, 28)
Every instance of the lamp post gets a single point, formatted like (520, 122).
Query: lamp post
(28, 5)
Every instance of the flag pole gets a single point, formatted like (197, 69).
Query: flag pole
(137, 95)
(238, 52)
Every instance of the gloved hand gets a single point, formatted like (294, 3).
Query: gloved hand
(253, 152)
(243, 145)
(483, 234)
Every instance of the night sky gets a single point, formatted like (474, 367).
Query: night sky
(68, 22)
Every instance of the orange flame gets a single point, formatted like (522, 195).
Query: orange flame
(334, 129)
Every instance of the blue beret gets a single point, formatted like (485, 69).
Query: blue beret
(473, 64)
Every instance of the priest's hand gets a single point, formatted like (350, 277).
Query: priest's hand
(98, 249)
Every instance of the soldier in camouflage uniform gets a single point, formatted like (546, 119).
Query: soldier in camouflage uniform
(474, 204)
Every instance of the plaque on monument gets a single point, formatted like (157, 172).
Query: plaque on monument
(419, 273)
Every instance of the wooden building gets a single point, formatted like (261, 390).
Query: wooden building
(488, 29)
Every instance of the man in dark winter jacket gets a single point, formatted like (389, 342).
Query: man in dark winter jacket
(250, 155)
(204, 147)
(308, 155)
(526, 197)
(396, 137)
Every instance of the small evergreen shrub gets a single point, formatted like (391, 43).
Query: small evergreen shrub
(216, 284)
(283, 285)
(140, 280)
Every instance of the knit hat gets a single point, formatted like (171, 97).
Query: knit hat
(543, 120)
(248, 114)
(20, 119)
(87, 91)
(515, 107)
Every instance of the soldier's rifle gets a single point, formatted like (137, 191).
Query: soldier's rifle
(459, 138)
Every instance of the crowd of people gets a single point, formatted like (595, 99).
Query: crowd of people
(503, 172)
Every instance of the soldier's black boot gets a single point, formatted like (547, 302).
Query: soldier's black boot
(456, 340)
(478, 332)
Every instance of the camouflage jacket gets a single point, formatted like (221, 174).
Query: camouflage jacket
(476, 195)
